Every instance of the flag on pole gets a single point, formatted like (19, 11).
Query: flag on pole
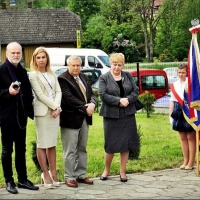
(191, 100)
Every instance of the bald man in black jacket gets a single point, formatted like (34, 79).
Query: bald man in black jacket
(15, 108)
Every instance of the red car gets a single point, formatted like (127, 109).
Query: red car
(153, 80)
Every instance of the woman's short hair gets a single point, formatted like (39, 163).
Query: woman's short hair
(117, 57)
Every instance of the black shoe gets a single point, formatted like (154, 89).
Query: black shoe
(123, 179)
(11, 187)
(103, 178)
(27, 185)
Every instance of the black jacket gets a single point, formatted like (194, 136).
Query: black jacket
(14, 110)
(73, 103)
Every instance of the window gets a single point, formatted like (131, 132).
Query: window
(153, 82)
(94, 62)
(105, 60)
(135, 78)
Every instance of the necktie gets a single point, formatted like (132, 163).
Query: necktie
(82, 89)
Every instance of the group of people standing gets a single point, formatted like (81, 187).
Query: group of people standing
(68, 102)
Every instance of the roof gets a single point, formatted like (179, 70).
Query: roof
(34, 26)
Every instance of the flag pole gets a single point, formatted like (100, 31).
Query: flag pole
(197, 152)
(195, 28)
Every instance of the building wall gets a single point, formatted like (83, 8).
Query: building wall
(29, 49)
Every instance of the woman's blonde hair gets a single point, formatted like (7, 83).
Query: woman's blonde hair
(117, 57)
(33, 65)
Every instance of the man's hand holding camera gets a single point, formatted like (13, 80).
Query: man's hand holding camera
(14, 88)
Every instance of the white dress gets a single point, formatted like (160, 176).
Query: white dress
(47, 130)
(47, 95)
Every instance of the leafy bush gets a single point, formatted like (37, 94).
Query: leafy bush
(166, 60)
(96, 93)
(135, 153)
(147, 99)
(166, 56)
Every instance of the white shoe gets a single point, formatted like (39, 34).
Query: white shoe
(46, 185)
(55, 183)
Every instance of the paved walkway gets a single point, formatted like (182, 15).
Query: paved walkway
(163, 184)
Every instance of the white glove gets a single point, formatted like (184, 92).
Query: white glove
(171, 120)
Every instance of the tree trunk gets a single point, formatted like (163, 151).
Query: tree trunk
(146, 41)
(151, 44)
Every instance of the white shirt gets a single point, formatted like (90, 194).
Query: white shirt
(179, 88)
(50, 91)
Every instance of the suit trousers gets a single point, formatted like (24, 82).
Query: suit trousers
(74, 142)
(9, 135)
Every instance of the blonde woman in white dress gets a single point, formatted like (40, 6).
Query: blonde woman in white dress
(46, 113)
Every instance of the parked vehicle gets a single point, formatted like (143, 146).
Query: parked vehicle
(153, 80)
(92, 74)
(91, 58)
(171, 74)
(163, 101)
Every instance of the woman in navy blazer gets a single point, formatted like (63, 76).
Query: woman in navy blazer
(118, 93)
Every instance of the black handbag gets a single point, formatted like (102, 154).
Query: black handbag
(138, 104)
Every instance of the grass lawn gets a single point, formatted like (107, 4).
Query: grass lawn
(160, 148)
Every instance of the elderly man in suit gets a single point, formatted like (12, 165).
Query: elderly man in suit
(78, 104)
(15, 107)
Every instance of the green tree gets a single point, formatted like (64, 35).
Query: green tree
(150, 16)
(93, 35)
(44, 4)
(21, 4)
(117, 11)
(123, 32)
(173, 29)
(85, 9)
(99, 34)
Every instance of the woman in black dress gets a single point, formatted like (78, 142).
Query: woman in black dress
(118, 93)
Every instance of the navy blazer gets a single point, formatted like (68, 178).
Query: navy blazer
(109, 92)
(73, 101)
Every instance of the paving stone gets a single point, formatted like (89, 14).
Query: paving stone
(162, 184)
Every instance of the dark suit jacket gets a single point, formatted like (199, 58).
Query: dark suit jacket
(14, 109)
(109, 92)
(73, 102)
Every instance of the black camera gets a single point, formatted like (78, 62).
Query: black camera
(16, 85)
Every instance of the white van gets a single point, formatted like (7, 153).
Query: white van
(91, 58)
